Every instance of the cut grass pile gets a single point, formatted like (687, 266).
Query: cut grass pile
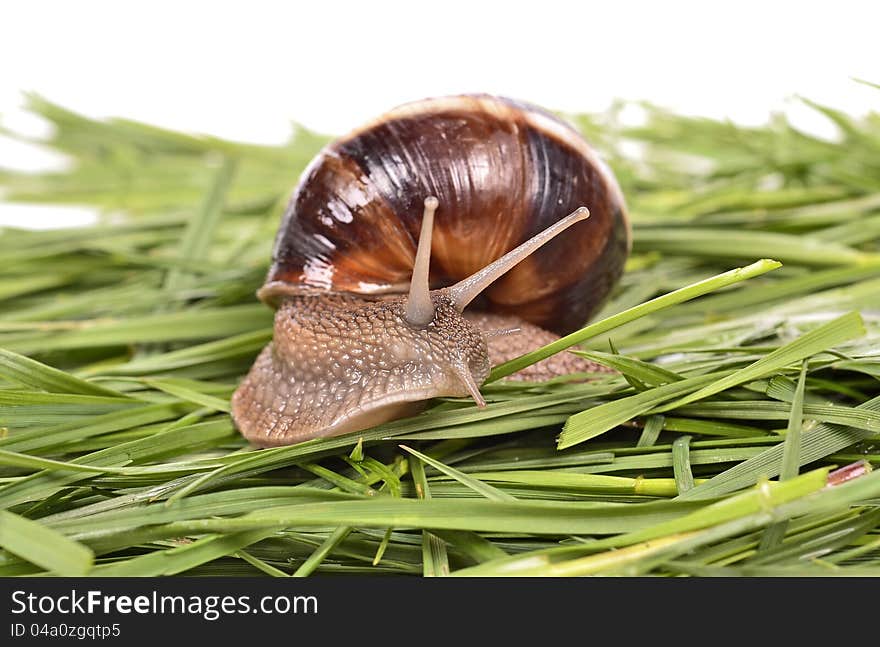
(737, 397)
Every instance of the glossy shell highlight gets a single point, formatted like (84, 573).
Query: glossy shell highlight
(502, 171)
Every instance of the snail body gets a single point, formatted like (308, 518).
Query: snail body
(370, 295)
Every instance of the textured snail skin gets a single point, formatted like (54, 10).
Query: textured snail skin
(344, 357)
(339, 363)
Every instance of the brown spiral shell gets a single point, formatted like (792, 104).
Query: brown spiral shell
(502, 170)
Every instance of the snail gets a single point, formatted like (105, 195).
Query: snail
(370, 293)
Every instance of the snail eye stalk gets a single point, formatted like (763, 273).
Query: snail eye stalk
(468, 289)
(419, 307)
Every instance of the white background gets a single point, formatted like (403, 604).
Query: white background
(245, 70)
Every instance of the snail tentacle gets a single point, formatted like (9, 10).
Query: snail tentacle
(468, 289)
(469, 382)
(419, 306)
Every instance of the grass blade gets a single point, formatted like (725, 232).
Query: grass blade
(816, 443)
(32, 374)
(43, 546)
(681, 464)
(654, 305)
(435, 559)
(593, 422)
(315, 559)
(835, 332)
(491, 493)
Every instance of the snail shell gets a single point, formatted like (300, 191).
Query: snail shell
(366, 328)
(502, 171)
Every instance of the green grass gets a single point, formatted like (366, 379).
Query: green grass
(744, 343)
